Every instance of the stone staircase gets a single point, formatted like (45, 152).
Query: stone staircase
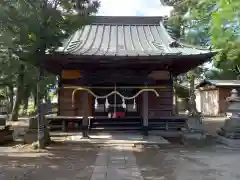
(124, 124)
(136, 124)
(116, 124)
(167, 123)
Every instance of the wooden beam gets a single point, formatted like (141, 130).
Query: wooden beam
(145, 112)
(85, 113)
(118, 87)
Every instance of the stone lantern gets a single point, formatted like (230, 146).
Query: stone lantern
(229, 134)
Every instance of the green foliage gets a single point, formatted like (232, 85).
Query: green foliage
(182, 27)
(181, 91)
(30, 29)
(218, 20)
(34, 27)
(221, 19)
(9, 68)
(225, 74)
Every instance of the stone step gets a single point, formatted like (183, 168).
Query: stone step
(116, 128)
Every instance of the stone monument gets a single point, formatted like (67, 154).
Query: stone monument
(229, 134)
(37, 130)
(194, 133)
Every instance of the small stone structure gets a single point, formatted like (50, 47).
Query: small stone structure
(229, 134)
(6, 134)
(194, 134)
(32, 133)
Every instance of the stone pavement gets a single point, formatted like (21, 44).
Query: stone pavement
(116, 165)
(65, 161)
(118, 138)
(210, 163)
(82, 161)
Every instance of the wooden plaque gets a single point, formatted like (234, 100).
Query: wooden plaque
(160, 75)
(70, 74)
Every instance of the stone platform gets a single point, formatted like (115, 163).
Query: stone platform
(233, 143)
(115, 138)
(116, 165)
(71, 161)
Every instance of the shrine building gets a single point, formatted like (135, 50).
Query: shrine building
(120, 70)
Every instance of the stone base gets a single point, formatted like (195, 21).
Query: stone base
(234, 143)
(230, 134)
(232, 124)
(194, 124)
(194, 139)
(31, 136)
(166, 134)
(6, 136)
(145, 131)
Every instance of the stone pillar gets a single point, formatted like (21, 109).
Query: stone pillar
(230, 132)
(85, 114)
(145, 113)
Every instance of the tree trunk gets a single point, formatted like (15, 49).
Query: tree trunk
(34, 99)
(25, 99)
(25, 105)
(47, 98)
(11, 95)
(43, 132)
(19, 94)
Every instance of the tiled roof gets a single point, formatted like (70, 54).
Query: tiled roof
(220, 83)
(125, 36)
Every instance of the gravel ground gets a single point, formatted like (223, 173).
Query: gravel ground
(182, 164)
(70, 161)
(61, 161)
(212, 124)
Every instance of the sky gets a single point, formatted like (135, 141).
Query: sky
(133, 8)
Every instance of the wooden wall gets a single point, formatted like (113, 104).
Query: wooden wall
(209, 102)
(161, 106)
(65, 103)
(158, 106)
(65, 96)
(213, 100)
(224, 93)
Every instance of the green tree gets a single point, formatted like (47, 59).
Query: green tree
(225, 30)
(29, 29)
(8, 73)
(182, 29)
(220, 20)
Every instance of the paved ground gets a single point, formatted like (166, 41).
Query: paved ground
(182, 164)
(116, 164)
(61, 162)
(70, 161)
(212, 124)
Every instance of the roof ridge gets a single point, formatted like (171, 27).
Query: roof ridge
(126, 20)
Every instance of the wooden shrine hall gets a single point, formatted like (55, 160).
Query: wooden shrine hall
(117, 74)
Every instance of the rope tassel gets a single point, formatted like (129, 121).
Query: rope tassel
(96, 103)
(107, 104)
(123, 103)
(134, 104)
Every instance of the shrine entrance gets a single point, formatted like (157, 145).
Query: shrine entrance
(115, 106)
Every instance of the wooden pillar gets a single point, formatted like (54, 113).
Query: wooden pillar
(85, 113)
(145, 113)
